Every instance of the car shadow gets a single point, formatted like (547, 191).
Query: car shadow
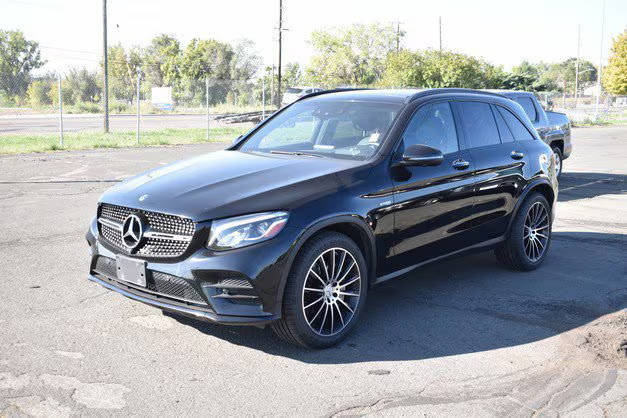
(469, 304)
(573, 186)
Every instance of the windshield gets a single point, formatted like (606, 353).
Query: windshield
(341, 129)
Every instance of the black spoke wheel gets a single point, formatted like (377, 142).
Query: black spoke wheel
(529, 238)
(325, 292)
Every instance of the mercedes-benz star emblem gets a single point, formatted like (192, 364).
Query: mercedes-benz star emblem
(132, 231)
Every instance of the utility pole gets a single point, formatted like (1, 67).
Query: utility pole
(440, 28)
(577, 64)
(278, 98)
(105, 96)
(596, 111)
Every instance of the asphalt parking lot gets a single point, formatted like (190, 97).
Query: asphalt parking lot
(462, 337)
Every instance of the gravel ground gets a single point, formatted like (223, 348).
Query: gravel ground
(459, 338)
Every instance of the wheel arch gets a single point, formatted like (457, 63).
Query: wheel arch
(542, 186)
(354, 227)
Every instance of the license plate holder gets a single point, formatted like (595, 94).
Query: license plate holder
(131, 270)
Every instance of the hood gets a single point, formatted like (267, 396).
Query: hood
(229, 183)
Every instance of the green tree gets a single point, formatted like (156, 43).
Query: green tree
(18, 57)
(84, 85)
(292, 74)
(123, 68)
(206, 59)
(615, 74)
(403, 69)
(434, 69)
(353, 55)
(162, 61)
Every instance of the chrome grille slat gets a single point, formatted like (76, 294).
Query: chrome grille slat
(169, 235)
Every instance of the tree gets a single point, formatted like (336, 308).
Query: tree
(403, 69)
(206, 59)
(292, 74)
(18, 57)
(353, 55)
(84, 85)
(434, 69)
(245, 61)
(615, 74)
(162, 60)
(123, 68)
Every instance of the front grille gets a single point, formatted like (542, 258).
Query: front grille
(183, 228)
(156, 282)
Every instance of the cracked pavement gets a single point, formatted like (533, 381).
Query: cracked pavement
(459, 338)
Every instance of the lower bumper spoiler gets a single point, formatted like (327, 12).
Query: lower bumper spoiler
(189, 312)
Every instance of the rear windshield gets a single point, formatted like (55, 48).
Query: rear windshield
(336, 129)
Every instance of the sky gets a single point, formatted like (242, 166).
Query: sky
(502, 32)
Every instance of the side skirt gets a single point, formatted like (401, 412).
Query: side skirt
(483, 246)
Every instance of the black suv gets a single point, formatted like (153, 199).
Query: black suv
(341, 190)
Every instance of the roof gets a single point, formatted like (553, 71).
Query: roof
(393, 95)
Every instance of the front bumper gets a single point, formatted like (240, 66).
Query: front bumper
(182, 310)
(242, 286)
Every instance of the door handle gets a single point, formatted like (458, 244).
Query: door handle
(517, 155)
(460, 164)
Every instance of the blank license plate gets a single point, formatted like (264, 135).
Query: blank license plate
(131, 270)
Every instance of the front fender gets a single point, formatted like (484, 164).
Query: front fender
(318, 226)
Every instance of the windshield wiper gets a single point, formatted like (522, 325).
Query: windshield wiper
(296, 153)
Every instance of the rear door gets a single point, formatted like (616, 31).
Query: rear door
(498, 167)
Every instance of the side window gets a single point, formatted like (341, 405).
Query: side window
(479, 124)
(519, 130)
(432, 125)
(506, 134)
(529, 108)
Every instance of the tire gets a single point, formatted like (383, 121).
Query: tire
(301, 322)
(517, 252)
(559, 160)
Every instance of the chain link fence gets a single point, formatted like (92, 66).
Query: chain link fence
(204, 109)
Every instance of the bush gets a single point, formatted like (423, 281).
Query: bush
(86, 107)
(39, 93)
(66, 91)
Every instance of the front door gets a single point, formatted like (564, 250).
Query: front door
(431, 203)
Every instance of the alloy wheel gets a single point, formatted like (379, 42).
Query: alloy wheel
(331, 292)
(536, 233)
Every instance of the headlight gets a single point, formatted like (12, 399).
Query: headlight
(245, 230)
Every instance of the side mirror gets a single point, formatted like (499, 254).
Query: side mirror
(422, 155)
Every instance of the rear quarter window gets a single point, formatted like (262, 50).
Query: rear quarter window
(519, 130)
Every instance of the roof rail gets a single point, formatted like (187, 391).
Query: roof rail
(449, 90)
(336, 90)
